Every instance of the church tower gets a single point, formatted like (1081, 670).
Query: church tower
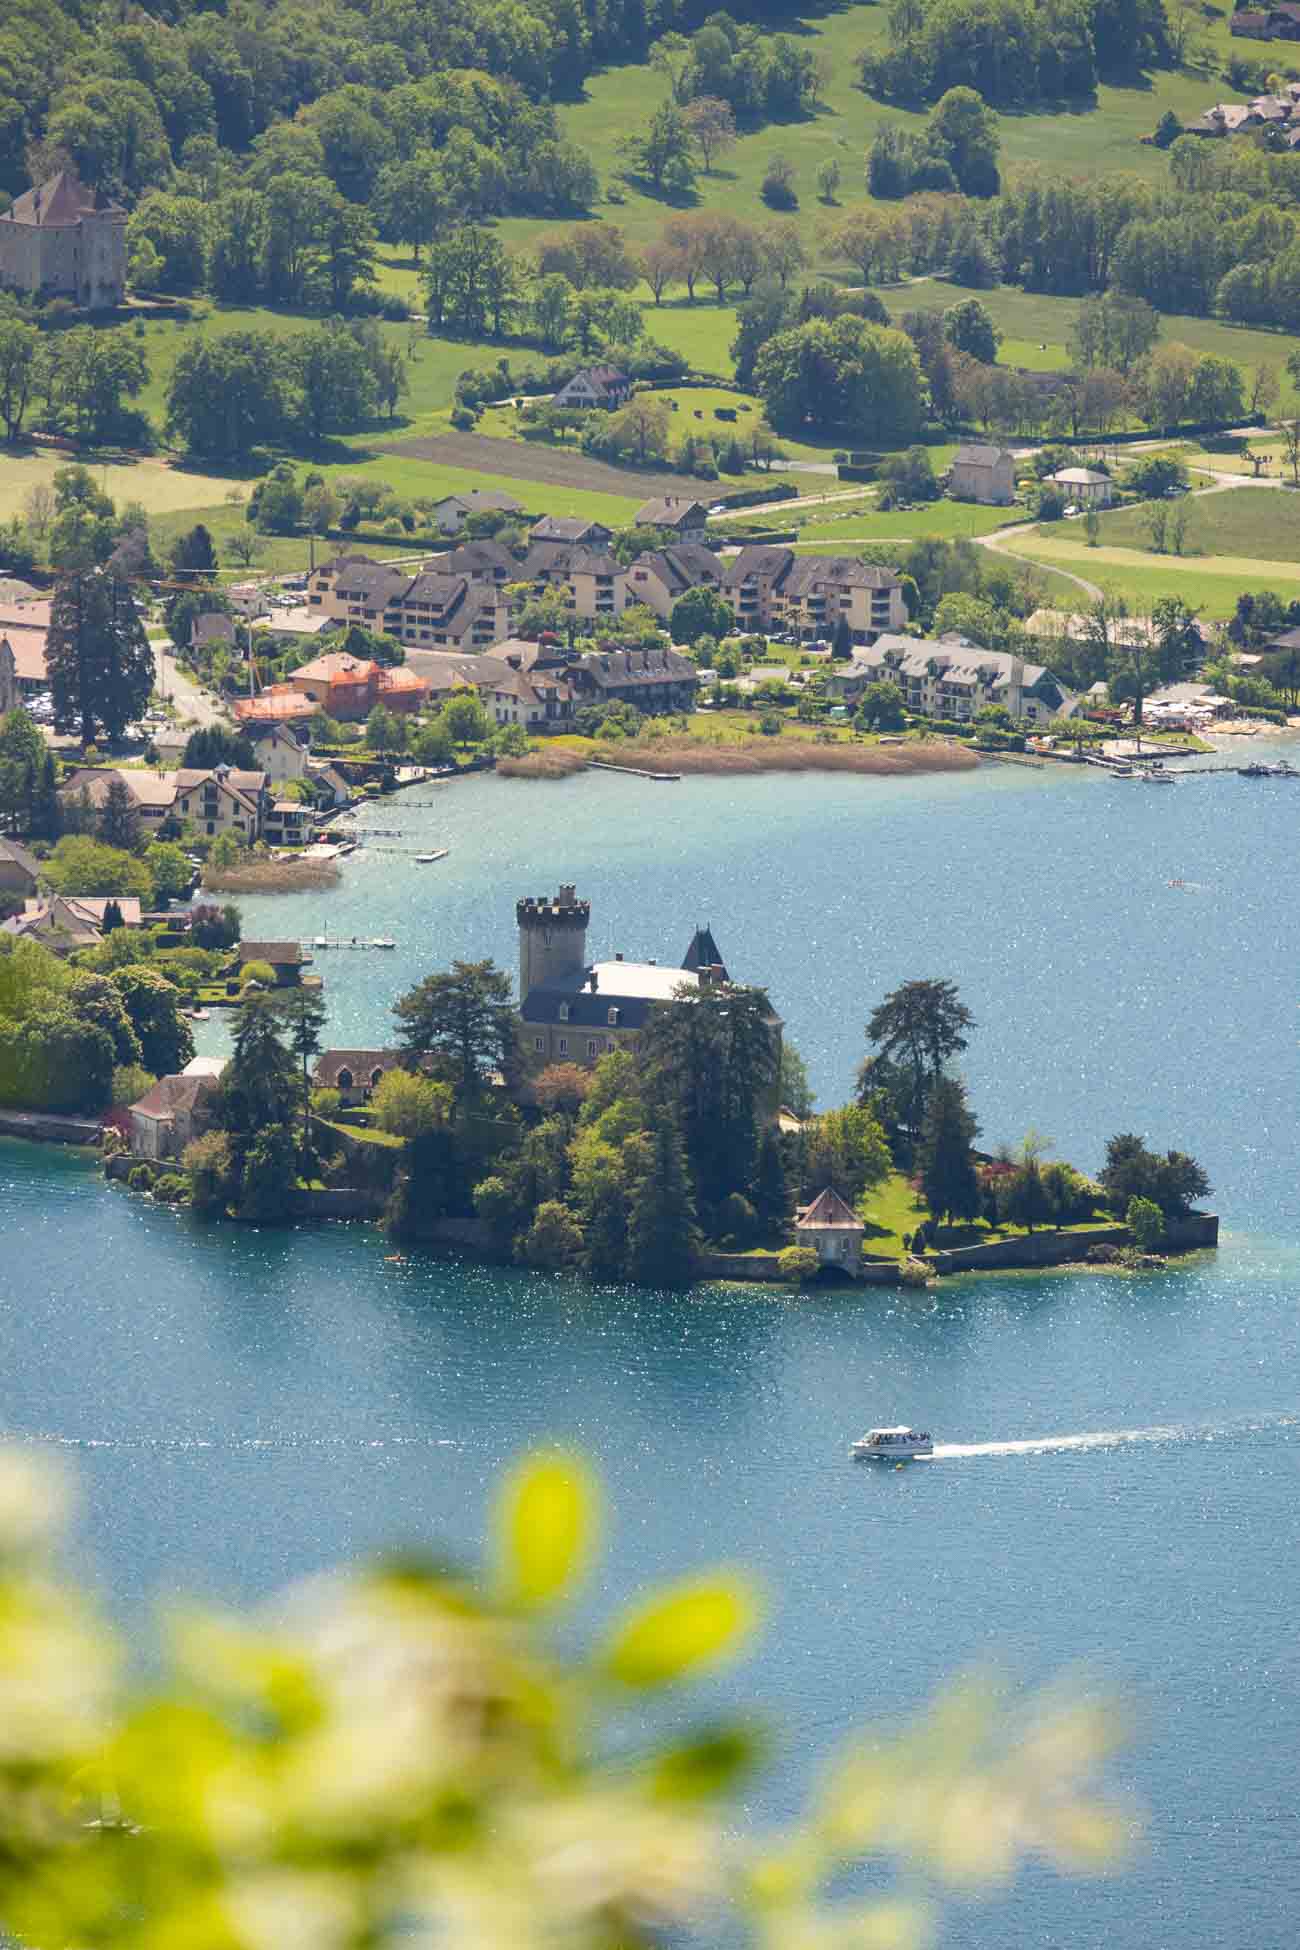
(552, 938)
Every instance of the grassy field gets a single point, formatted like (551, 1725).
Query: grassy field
(1103, 135)
(946, 519)
(1263, 523)
(1036, 329)
(155, 484)
(1210, 584)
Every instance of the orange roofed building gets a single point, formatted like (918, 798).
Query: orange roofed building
(349, 688)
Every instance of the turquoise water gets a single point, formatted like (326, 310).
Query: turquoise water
(1120, 1483)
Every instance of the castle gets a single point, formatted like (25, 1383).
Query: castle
(573, 1010)
(62, 240)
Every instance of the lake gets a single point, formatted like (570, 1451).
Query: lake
(1119, 1484)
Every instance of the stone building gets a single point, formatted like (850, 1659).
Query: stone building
(834, 1231)
(984, 473)
(62, 240)
(575, 1011)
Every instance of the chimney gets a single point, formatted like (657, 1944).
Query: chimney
(593, 980)
(618, 957)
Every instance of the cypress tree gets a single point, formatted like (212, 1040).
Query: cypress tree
(771, 1193)
(947, 1169)
(100, 664)
(662, 1236)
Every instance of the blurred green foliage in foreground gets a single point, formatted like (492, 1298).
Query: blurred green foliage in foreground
(403, 1754)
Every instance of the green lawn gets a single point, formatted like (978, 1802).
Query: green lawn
(156, 484)
(946, 519)
(1103, 135)
(1257, 522)
(1142, 581)
(893, 1208)
(1036, 328)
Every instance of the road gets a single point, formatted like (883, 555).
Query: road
(193, 706)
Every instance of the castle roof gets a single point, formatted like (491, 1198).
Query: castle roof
(63, 199)
(630, 987)
(703, 952)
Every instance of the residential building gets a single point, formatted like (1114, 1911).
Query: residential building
(573, 529)
(221, 800)
(288, 822)
(280, 754)
(539, 701)
(454, 602)
(354, 1073)
(448, 611)
(176, 1111)
(986, 474)
(574, 1011)
(594, 583)
(482, 561)
(19, 869)
(950, 678)
(212, 629)
(447, 671)
(62, 240)
(64, 923)
(325, 775)
(285, 957)
(25, 625)
(278, 704)
(772, 589)
(348, 688)
(661, 579)
(655, 680)
(452, 512)
(1084, 486)
(153, 793)
(688, 521)
(595, 388)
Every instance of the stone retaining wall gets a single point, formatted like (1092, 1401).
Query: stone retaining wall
(43, 1127)
(766, 1269)
(1198, 1229)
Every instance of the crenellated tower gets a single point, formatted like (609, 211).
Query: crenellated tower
(552, 938)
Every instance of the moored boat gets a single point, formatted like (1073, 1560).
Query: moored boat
(893, 1445)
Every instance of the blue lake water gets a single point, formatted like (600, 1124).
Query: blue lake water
(245, 1406)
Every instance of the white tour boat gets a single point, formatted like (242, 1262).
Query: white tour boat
(893, 1445)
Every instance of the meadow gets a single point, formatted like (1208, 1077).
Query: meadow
(1263, 523)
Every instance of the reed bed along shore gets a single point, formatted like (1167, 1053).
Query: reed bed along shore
(272, 877)
(697, 756)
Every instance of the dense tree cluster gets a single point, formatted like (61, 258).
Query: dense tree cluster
(233, 391)
(1014, 52)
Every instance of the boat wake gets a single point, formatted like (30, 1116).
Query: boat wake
(1110, 1438)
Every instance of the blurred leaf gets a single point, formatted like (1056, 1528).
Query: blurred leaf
(709, 1765)
(546, 1520)
(693, 1623)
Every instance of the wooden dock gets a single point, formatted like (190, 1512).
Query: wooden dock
(349, 941)
(633, 771)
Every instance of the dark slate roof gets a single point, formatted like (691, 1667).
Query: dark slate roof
(981, 456)
(766, 562)
(671, 511)
(617, 669)
(811, 571)
(703, 952)
(433, 587)
(10, 850)
(278, 954)
(484, 558)
(363, 579)
(566, 528)
(631, 987)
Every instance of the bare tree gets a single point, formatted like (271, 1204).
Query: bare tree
(1264, 390)
(38, 510)
(1290, 431)
(660, 265)
(783, 249)
(712, 126)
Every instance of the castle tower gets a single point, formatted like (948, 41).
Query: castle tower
(552, 938)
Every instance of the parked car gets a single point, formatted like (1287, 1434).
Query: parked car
(1172, 493)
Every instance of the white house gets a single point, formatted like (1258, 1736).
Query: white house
(451, 513)
(279, 754)
(602, 387)
(950, 678)
(1084, 486)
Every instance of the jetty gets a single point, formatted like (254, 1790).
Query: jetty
(350, 941)
(633, 771)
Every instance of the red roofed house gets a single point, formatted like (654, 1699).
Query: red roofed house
(834, 1231)
(277, 704)
(348, 688)
(62, 240)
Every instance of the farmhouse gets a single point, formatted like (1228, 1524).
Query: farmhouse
(62, 240)
(454, 510)
(688, 521)
(599, 388)
(986, 474)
